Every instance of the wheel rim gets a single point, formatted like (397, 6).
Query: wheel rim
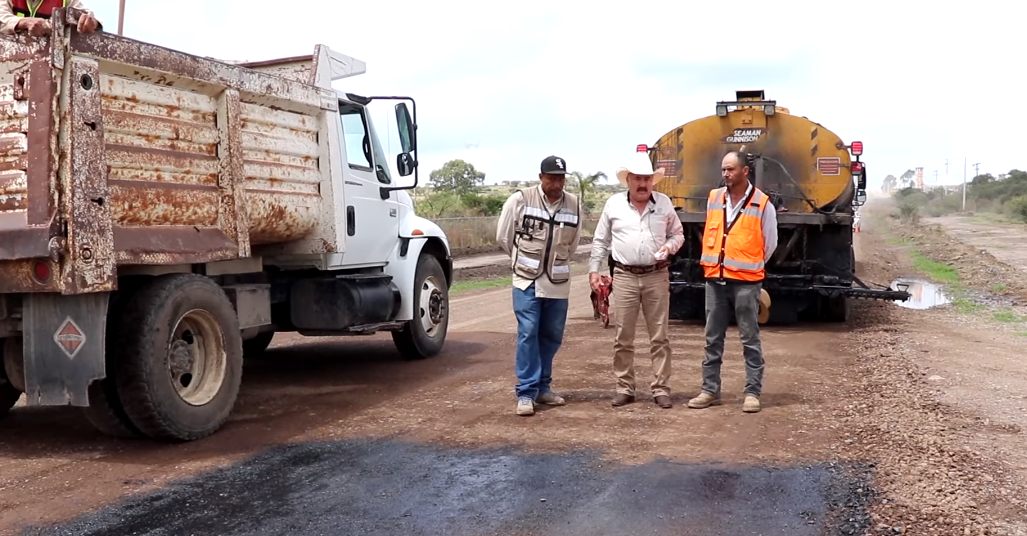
(197, 363)
(432, 306)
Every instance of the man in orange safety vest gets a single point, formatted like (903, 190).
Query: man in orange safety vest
(33, 16)
(740, 235)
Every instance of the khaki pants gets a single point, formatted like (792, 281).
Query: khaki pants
(651, 293)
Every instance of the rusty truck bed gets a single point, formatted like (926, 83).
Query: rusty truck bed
(118, 152)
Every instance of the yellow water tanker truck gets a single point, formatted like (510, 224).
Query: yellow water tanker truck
(815, 181)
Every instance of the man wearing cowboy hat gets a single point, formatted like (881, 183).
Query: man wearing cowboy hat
(740, 236)
(640, 230)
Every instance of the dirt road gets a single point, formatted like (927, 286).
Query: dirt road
(350, 439)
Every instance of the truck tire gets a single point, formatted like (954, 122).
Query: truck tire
(8, 398)
(425, 335)
(105, 411)
(256, 346)
(179, 358)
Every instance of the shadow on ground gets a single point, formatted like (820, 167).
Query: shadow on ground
(396, 488)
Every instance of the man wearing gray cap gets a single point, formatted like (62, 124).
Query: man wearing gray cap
(539, 228)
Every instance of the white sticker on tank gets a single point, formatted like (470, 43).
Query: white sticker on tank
(829, 165)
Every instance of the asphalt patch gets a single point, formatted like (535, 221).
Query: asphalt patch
(397, 488)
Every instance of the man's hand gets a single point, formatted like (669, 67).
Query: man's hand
(33, 26)
(87, 23)
(594, 281)
(662, 253)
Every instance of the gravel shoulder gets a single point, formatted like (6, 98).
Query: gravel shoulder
(940, 398)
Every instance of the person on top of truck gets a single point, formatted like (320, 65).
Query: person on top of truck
(33, 16)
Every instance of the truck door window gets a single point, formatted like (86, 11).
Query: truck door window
(354, 128)
(362, 147)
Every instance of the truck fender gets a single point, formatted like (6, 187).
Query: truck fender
(416, 236)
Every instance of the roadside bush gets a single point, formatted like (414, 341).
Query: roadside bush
(1017, 207)
(909, 213)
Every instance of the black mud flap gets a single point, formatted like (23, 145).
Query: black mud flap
(64, 347)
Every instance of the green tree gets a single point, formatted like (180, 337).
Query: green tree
(586, 184)
(889, 184)
(457, 176)
(907, 178)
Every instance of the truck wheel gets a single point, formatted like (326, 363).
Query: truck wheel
(105, 411)
(179, 358)
(425, 335)
(8, 398)
(256, 346)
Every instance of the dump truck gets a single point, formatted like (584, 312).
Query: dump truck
(163, 214)
(815, 180)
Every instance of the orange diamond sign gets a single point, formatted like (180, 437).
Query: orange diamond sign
(70, 338)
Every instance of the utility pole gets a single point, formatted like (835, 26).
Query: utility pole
(121, 17)
(964, 184)
(977, 169)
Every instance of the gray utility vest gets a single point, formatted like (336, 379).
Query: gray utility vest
(543, 239)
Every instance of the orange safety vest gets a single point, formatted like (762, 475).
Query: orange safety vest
(734, 251)
(42, 10)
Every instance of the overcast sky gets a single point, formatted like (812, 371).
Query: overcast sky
(503, 85)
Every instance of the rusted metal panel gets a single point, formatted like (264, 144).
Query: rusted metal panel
(89, 258)
(233, 215)
(281, 155)
(297, 68)
(161, 66)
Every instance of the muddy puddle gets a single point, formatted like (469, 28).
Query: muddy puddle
(923, 294)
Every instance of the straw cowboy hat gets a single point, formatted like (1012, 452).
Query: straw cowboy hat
(764, 313)
(639, 165)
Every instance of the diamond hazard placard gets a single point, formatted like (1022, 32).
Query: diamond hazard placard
(70, 338)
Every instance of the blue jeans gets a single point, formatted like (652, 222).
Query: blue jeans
(540, 324)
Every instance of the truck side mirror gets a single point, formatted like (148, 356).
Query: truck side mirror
(407, 129)
(405, 164)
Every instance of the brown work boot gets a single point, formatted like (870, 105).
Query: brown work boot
(622, 399)
(663, 401)
(704, 400)
(751, 404)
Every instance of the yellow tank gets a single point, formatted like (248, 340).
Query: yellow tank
(817, 159)
(807, 171)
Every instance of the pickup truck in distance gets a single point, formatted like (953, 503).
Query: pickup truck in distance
(163, 214)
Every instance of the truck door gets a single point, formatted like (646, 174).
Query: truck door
(372, 223)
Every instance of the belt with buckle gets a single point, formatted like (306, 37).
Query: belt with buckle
(642, 270)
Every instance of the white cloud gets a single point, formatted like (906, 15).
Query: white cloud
(917, 82)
